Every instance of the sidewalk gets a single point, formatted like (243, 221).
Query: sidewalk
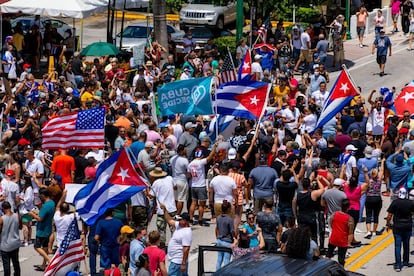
(353, 52)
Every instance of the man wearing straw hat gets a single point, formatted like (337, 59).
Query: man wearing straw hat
(163, 190)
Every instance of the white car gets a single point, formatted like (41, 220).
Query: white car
(208, 13)
(27, 22)
(138, 34)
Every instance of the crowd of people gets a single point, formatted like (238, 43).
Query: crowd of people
(277, 174)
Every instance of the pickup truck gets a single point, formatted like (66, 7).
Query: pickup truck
(270, 264)
(210, 13)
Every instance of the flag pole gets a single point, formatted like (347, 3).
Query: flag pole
(232, 61)
(349, 76)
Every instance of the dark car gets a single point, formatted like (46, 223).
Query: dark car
(271, 264)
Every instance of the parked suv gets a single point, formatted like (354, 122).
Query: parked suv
(211, 13)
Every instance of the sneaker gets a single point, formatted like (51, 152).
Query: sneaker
(361, 46)
(408, 264)
(397, 268)
(381, 74)
(358, 231)
(379, 233)
(368, 235)
(205, 223)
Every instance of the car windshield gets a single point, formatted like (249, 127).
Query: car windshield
(136, 32)
(201, 33)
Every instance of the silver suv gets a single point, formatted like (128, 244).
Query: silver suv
(212, 13)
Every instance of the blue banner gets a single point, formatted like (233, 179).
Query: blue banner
(191, 97)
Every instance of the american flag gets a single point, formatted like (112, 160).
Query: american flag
(70, 253)
(227, 73)
(262, 32)
(83, 129)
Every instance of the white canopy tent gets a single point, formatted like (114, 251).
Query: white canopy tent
(54, 8)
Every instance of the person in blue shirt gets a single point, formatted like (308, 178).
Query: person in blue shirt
(383, 45)
(44, 226)
(106, 234)
(399, 172)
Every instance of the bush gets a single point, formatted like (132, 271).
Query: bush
(306, 14)
(225, 42)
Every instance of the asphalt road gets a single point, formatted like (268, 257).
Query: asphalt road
(376, 254)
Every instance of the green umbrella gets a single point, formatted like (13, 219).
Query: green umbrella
(97, 49)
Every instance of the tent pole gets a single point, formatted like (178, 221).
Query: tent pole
(75, 46)
(81, 33)
(122, 25)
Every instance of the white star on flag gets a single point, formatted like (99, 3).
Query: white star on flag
(254, 100)
(408, 96)
(246, 66)
(123, 174)
(344, 87)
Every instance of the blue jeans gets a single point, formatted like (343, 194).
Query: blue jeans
(222, 256)
(109, 255)
(284, 213)
(175, 270)
(362, 205)
(401, 237)
(93, 251)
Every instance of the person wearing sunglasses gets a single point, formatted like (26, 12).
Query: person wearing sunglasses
(251, 229)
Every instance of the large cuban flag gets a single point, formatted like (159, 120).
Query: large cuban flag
(243, 99)
(342, 92)
(116, 181)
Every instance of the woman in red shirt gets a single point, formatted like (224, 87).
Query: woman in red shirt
(342, 232)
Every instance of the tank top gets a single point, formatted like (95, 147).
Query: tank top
(339, 235)
(9, 239)
(374, 188)
(306, 206)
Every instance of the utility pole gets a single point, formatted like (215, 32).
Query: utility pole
(159, 9)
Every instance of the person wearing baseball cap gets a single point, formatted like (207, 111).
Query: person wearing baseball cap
(188, 140)
(257, 70)
(332, 198)
(400, 213)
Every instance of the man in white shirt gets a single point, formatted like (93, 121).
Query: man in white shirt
(163, 190)
(179, 164)
(180, 243)
(35, 169)
(257, 70)
(10, 189)
(320, 96)
(290, 117)
(305, 54)
(222, 187)
(196, 169)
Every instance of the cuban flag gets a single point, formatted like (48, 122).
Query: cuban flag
(115, 183)
(388, 101)
(342, 92)
(245, 69)
(223, 125)
(243, 99)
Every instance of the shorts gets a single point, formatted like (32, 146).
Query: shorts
(27, 218)
(181, 194)
(381, 59)
(305, 55)
(361, 31)
(199, 193)
(41, 242)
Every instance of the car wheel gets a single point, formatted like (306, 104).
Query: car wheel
(220, 23)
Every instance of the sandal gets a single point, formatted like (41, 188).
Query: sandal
(40, 268)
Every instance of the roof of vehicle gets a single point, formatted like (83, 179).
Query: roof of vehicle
(271, 264)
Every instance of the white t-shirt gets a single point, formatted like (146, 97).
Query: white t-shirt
(257, 68)
(62, 224)
(349, 165)
(378, 121)
(289, 115)
(309, 122)
(198, 173)
(304, 38)
(320, 97)
(138, 200)
(223, 187)
(35, 166)
(179, 166)
(181, 237)
(11, 190)
(163, 190)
